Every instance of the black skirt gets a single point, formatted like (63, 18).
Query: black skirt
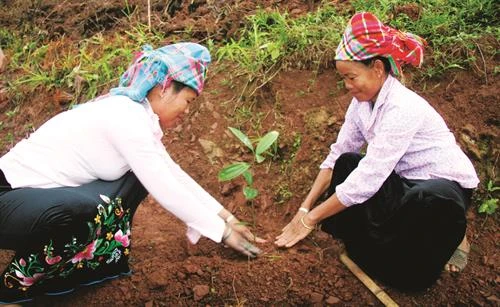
(405, 233)
(66, 237)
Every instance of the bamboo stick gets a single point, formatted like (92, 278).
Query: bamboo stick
(367, 281)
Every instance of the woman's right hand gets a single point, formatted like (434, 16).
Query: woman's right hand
(294, 231)
(296, 219)
(237, 242)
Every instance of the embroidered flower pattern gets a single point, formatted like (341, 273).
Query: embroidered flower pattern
(108, 242)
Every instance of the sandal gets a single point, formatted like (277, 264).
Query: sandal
(458, 260)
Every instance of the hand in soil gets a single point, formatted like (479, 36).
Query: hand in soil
(294, 231)
(236, 241)
(243, 230)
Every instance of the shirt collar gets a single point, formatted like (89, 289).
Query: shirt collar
(384, 91)
(155, 120)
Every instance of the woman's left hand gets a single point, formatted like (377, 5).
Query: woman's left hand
(243, 230)
(295, 231)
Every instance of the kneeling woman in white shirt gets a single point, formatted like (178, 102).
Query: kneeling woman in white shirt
(68, 193)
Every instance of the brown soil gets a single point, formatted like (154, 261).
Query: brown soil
(170, 271)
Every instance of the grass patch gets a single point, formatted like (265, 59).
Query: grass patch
(84, 69)
(273, 41)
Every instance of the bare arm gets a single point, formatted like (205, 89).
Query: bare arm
(321, 183)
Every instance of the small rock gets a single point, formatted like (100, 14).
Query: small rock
(157, 279)
(228, 188)
(211, 150)
(200, 291)
(471, 147)
(316, 297)
(191, 268)
(331, 121)
(209, 106)
(332, 300)
(348, 296)
(181, 276)
(339, 284)
(493, 299)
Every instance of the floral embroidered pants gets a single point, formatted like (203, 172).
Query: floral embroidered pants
(68, 236)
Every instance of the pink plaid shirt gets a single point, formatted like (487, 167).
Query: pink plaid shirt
(405, 134)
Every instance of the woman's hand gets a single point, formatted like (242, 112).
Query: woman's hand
(243, 230)
(296, 230)
(235, 240)
(296, 219)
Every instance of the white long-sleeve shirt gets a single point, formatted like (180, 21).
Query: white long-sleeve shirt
(104, 139)
(405, 134)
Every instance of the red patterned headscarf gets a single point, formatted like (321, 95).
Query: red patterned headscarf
(366, 37)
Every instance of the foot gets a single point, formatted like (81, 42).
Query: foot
(458, 260)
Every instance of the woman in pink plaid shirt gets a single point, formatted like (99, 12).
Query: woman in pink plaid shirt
(399, 208)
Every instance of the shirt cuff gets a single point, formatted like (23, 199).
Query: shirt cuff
(342, 197)
(211, 227)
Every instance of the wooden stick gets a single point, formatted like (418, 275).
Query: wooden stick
(367, 281)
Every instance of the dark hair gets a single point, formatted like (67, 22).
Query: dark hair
(178, 86)
(387, 65)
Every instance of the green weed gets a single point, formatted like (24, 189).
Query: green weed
(273, 41)
(452, 28)
(490, 203)
(85, 69)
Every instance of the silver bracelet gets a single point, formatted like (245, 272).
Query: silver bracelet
(229, 218)
(304, 209)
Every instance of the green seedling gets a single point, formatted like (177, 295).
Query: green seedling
(243, 168)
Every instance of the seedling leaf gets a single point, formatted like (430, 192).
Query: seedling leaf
(250, 193)
(242, 137)
(248, 177)
(233, 171)
(266, 141)
(259, 158)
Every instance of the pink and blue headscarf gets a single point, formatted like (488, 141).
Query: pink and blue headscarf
(183, 62)
(366, 37)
